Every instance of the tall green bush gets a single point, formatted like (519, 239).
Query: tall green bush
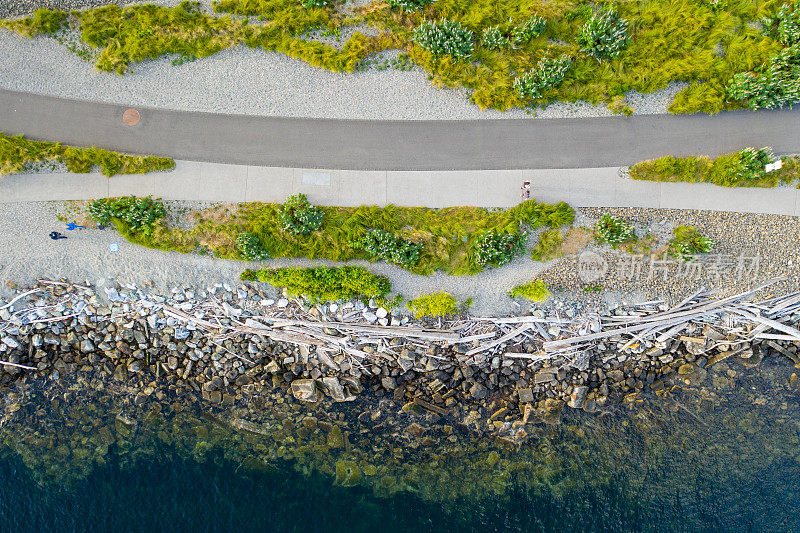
(138, 214)
(445, 37)
(778, 85)
(529, 29)
(549, 73)
(389, 247)
(604, 35)
(299, 216)
(493, 39)
(497, 249)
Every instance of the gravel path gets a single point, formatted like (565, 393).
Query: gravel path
(27, 253)
(255, 82)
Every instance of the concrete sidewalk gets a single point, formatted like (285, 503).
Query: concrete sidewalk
(589, 187)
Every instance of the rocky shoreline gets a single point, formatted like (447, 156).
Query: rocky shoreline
(86, 375)
(58, 330)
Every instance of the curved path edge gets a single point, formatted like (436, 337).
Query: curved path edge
(214, 182)
(395, 145)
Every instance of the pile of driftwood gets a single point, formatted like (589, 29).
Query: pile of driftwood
(700, 321)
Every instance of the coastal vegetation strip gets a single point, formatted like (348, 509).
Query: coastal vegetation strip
(18, 154)
(457, 240)
(506, 53)
(745, 168)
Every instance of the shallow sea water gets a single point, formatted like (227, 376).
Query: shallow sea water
(725, 459)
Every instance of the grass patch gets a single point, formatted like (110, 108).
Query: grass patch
(18, 154)
(535, 291)
(548, 246)
(447, 236)
(145, 32)
(324, 283)
(703, 43)
(740, 169)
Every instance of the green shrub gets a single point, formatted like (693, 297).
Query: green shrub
(409, 5)
(688, 242)
(324, 283)
(777, 86)
(529, 29)
(604, 35)
(137, 214)
(751, 163)
(785, 24)
(612, 230)
(547, 247)
(549, 73)
(536, 291)
(493, 39)
(446, 37)
(251, 248)
(317, 3)
(389, 247)
(434, 305)
(498, 249)
(298, 216)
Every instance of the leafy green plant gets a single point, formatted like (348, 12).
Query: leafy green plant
(388, 246)
(298, 216)
(409, 5)
(778, 85)
(529, 29)
(689, 242)
(317, 3)
(497, 249)
(536, 291)
(613, 230)
(547, 247)
(137, 214)
(750, 164)
(548, 73)
(251, 248)
(445, 37)
(785, 24)
(434, 305)
(324, 283)
(493, 39)
(604, 35)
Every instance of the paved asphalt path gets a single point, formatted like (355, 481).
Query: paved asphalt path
(396, 145)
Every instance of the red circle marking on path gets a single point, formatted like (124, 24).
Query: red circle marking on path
(130, 117)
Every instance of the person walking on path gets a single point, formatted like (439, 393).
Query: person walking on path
(56, 235)
(72, 226)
